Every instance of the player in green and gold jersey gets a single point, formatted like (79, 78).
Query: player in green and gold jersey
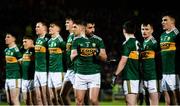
(129, 63)
(149, 49)
(170, 80)
(13, 80)
(87, 52)
(28, 69)
(68, 81)
(56, 47)
(41, 54)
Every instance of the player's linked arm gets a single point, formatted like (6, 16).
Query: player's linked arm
(73, 54)
(121, 65)
(102, 55)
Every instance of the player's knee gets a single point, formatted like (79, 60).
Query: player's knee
(15, 102)
(80, 101)
(94, 100)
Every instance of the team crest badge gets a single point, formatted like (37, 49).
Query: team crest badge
(168, 38)
(94, 44)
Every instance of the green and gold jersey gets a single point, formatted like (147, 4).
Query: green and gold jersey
(148, 59)
(168, 48)
(28, 64)
(12, 65)
(70, 64)
(130, 50)
(85, 61)
(41, 54)
(56, 46)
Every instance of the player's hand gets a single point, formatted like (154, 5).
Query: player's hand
(96, 55)
(114, 78)
(96, 52)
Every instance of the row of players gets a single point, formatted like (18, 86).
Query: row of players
(48, 87)
(84, 52)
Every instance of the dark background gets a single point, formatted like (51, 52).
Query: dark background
(20, 16)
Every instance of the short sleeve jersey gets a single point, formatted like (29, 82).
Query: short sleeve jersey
(86, 64)
(70, 38)
(28, 64)
(41, 54)
(12, 66)
(130, 50)
(55, 47)
(168, 48)
(148, 59)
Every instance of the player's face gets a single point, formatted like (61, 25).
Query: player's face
(40, 28)
(167, 23)
(69, 24)
(54, 29)
(27, 43)
(76, 29)
(90, 29)
(146, 31)
(9, 39)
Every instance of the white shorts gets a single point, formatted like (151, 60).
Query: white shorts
(83, 82)
(55, 79)
(169, 82)
(131, 86)
(27, 85)
(151, 86)
(12, 83)
(40, 79)
(70, 76)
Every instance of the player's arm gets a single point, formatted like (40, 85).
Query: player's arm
(73, 54)
(102, 55)
(74, 50)
(102, 51)
(18, 55)
(121, 65)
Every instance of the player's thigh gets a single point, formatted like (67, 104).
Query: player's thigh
(81, 82)
(152, 86)
(94, 81)
(40, 79)
(131, 86)
(55, 79)
(66, 87)
(94, 93)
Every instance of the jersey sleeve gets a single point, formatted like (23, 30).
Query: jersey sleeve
(18, 54)
(101, 44)
(63, 45)
(75, 44)
(125, 50)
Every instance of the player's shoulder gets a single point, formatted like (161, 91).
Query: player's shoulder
(153, 40)
(60, 38)
(77, 37)
(16, 49)
(5, 50)
(97, 37)
(176, 31)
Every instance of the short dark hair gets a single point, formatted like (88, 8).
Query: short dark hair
(12, 33)
(147, 22)
(89, 20)
(80, 22)
(129, 27)
(170, 14)
(29, 37)
(43, 22)
(57, 23)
